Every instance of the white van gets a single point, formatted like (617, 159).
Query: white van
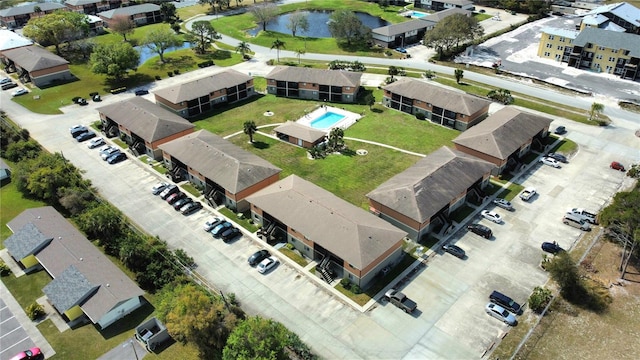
(576, 221)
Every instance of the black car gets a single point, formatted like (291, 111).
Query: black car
(191, 207)
(85, 136)
(230, 234)
(558, 157)
(114, 159)
(551, 247)
(453, 250)
(8, 86)
(506, 302)
(141, 92)
(481, 230)
(257, 257)
(181, 202)
(560, 130)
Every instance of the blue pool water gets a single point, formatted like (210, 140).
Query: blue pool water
(326, 120)
(418, 15)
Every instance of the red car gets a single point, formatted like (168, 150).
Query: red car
(31, 354)
(616, 166)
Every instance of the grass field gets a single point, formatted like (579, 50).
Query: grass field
(12, 203)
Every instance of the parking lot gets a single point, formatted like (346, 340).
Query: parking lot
(13, 337)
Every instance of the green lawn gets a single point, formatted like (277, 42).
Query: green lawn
(12, 203)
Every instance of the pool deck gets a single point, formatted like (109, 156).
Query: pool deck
(349, 119)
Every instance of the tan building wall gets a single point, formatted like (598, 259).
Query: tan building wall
(553, 46)
(157, 143)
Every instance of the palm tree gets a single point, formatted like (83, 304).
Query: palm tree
(243, 48)
(299, 53)
(392, 71)
(250, 129)
(459, 74)
(596, 110)
(277, 44)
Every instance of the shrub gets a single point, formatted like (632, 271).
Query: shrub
(388, 52)
(170, 73)
(539, 299)
(176, 71)
(429, 74)
(356, 289)
(346, 283)
(271, 62)
(289, 246)
(34, 311)
(4, 269)
(420, 116)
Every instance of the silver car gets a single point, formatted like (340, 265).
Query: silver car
(501, 314)
(502, 203)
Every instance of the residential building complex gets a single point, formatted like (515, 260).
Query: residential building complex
(314, 84)
(37, 65)
(439, 5)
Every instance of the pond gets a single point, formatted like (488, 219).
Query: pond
(318, 23)
(146, 53)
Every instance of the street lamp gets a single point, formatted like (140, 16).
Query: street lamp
(133, 346)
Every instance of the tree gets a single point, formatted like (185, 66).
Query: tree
(168, 11)
(298, 21)
(202, 34)
(277, 44)
(459, 74)
(101, 221)
(336, 140)
(57, 28)
(19, 150)
(250, 129)
(370, 100)
(243, 48)
(595, 111)
(159, 40)
(114, 60)
(344, 25)
(451, 32)
(539, 299)
(123, 25)
(299, 53)
(75, 199)
(392, 71)
(384, 4)
(257, 338)
(264, 13)
(501, 95)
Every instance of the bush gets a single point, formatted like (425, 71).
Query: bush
(420, 116)
(346, 283)
(271, 62)
(4, 269)
(35, 311)
(289, 246)
(356, 289)
(539, 299)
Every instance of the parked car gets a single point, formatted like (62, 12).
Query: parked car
(210, 224)
(558, 157)
(257, 257)
(9, 85)
(85, 136)
(142, 92)
(617, 166)
(550, 162)
(230, 233)
(502, 203)
(492, 216)
(19, 92)
(527, 194)
(4, 80)
(157, 188)
(401, 301)
(576, 221)
(116, 158)
(181, 202)
(560, 130)
(588, 216)
(220, 228)
(401, 50)
(31, 354)
(190, 208)
(95, 143)
(481, 230)
(501, 314)
(506, 302)
(169, 190)
(267, 264)
(77, 130)
(453, 250)
(551, 247)
(108, 152)
(171, 199)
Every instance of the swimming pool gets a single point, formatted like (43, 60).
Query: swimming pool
(326, 120)
(418, 15)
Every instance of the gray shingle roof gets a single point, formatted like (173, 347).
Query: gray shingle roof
(219, 160)
(299, 131)
(25, 241)
(32, 58)
(316, 76)
(28, 9)
(82, 2)
(149, 121)
(201, 87)
(70, 248)
(503, 132)
(130, 10)
(431, 183)
(610, 39)
(346, 230)
(438, 16)
(623, 10)
(401, 28)
(438, 96)
(68, 289)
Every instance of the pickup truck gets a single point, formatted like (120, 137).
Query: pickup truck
(401, 301)
(586, 215)
(527, 193)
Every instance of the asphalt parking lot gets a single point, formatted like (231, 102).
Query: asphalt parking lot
(13, 337)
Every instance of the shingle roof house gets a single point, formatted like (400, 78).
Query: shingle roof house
(144, 124)
(506, 135)
(321, 225)
(314, 84)
(622, 14)
(38, 65)
(11, 40)
(446, 107)
(85, 282)
(17, 16)
(300, 135)
(140, 14)
(425, 194)
(220, 166)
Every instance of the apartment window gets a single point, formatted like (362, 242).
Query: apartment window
(601, 48)
(549, 45)
(551, 37)
(599, 56)
(614, 51)
(609, 68)
(562, 39)
(558, 56)
(547, 54)
(612, 59)
(560, 47)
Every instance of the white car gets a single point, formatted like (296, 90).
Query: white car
(19, 92)
(105, 154)
(492, 216)
(4, 80)
(157, 188)
(95, 143)
(499, 202)
(550, 161)
(210, 224)
(267, 264)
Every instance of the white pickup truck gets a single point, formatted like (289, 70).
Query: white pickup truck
(586, 215)
(527, 193)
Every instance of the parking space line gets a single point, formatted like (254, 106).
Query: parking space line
(15, 344)
(2, 322)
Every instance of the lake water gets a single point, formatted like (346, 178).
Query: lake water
(146, 53)
(318, 21)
